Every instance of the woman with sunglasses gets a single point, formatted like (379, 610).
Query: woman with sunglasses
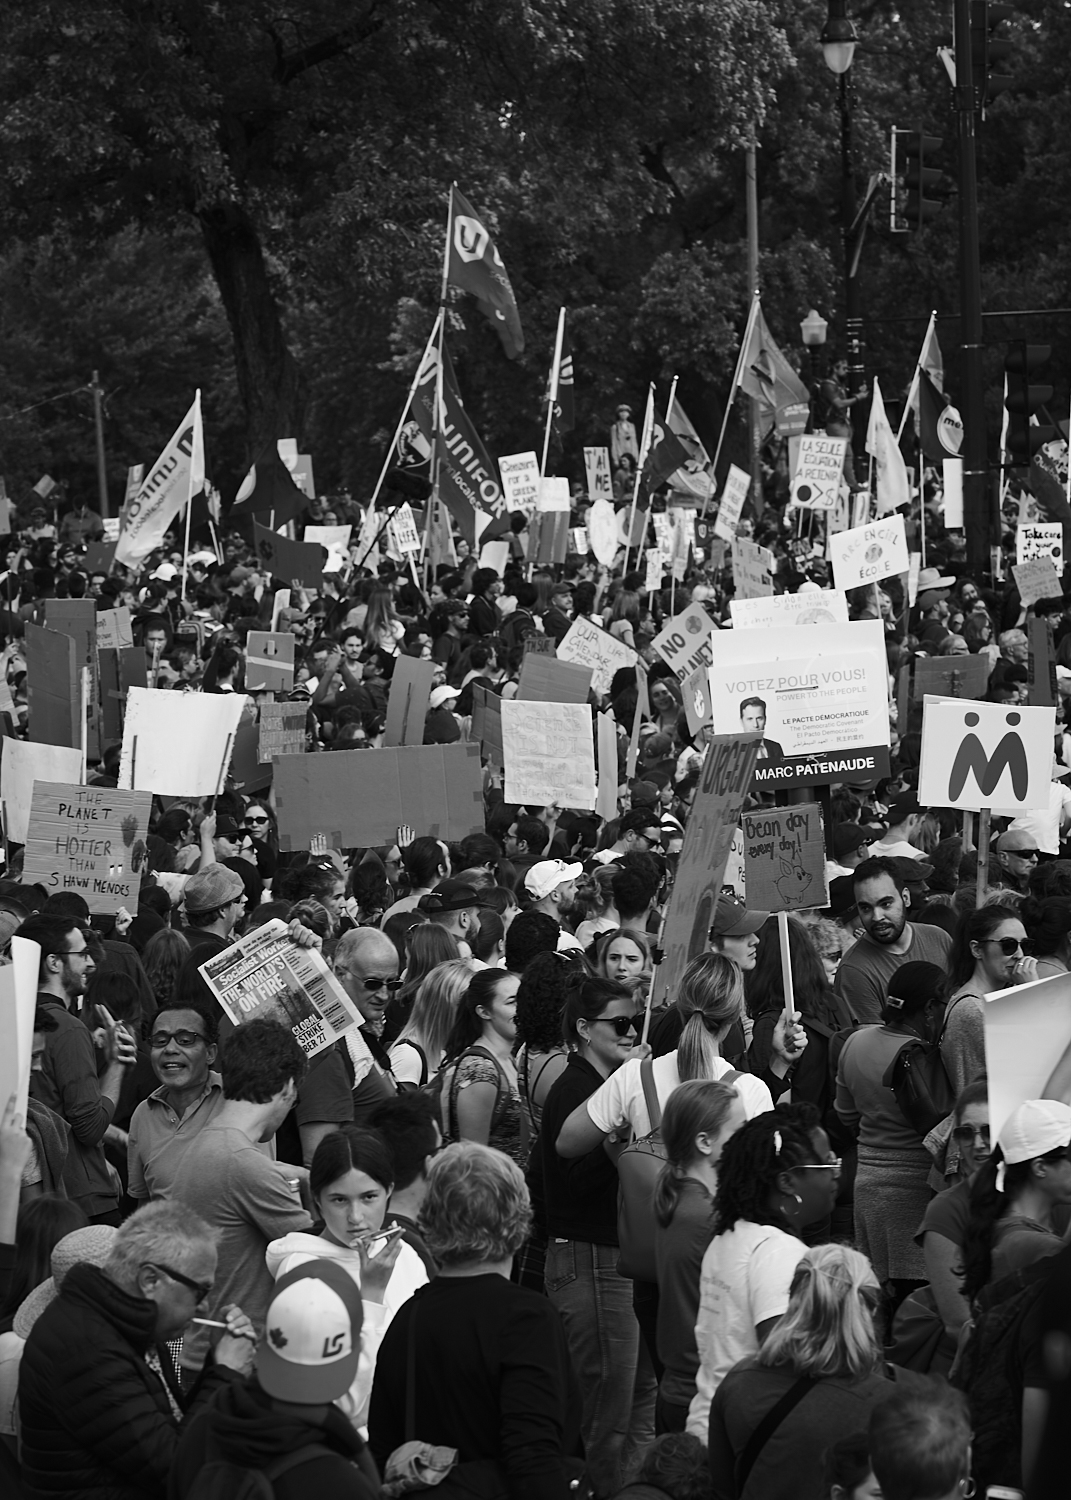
(600, 1026)
(260, 824)
(987, 955)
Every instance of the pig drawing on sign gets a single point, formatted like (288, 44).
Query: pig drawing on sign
(793, 884)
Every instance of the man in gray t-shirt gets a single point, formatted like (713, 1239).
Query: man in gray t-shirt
(888, 940)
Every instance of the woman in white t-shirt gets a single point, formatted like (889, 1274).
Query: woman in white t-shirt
(710, 1000)
(776, 1175)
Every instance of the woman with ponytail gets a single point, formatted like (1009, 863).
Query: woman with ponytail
(710, 1000)
(1014, 1193)
(777, 1174)
(700, 1117)
(600, 1027)
(827, 1338)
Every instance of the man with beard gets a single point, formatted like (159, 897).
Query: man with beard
(888, 939)
(551, 886)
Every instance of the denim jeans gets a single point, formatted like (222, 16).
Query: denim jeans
(617, 1383)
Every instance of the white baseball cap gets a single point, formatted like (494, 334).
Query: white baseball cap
(1034, 1129)
(548, 875)
(441, 695)
(312, 1335)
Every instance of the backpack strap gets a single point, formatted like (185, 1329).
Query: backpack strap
(650, 1093)
(731, 1077)
(290, 1461)
(410, 1376)
(406, 1041)
(767, 1427)
(451, 1103)
(944, 1024)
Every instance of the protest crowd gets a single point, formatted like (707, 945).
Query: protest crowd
(506, 1058)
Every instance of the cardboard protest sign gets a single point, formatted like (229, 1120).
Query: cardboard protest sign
(246, 771)
(753, 568)
(696, 692)
(178, 744)
(685, 642)
(819, 467)
(785, 858)
(487, 721)
(281, 730)
(597, 470)
(22, 763)
(589, 645)
(89, 839)
(114, 629)
(407, 704)
(1027, 1030)
(360, 798)
(652, 580)
(99, 557)
(977, 755)
(1043, 539)
(867, 554)
(18, 1000)
(1041, 664)
(554, 494)
(269, 661)
(950, 677)
(494, 555)
(404, 531)
(609, 766)
(298, 563)
(818, 697)
(539, 645)
(548, 536)
(708, 834)
(78, 619)
(520, 481)
(819, 607)
(53, 695)
(735, 492)
(547, 679)
(1036, 580)
(549, 754)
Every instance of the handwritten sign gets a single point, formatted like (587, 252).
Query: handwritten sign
(588, 645)
(114, 629)
(752, 569)
(88, 839)
(545, 679)
(1036, 580)
(821, 607)
(1044, 539)
(404, 531)
(269, 661)
(785, 858)
(597, 470)
(867, 554)
(282, 730)
(820, 464)
(737, 486)
(549, 754)
(685, 641)
(520, 481)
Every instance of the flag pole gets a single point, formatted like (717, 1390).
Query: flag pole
(439, 403)
(672, 398)
(915, 378)
(189, 497)
(555, 376)
(645, 441)
(405, 410)
(748, 328)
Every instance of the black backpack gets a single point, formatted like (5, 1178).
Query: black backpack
(918, 1077)
(221, 1480)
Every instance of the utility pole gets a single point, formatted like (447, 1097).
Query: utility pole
(98, 423)
(754, 428)
(976, 505)
(853, 313)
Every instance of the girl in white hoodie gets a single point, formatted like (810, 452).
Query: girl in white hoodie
(351, 1179)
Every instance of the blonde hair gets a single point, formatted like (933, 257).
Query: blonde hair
(435, 1008)
(710, 998)
(476, 1206)
(828, 1329)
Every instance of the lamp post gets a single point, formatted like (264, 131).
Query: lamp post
(838, 48)
(813, 333)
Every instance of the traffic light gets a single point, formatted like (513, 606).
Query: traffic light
(989, 51)
(1022, 400)
(914, 179)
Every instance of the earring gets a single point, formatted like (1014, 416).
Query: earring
(969, 1487)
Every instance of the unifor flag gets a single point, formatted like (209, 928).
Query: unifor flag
(890, 471)
(468, 479)
(168, 487)
(940, 427)
(766, 375)
(474, 265)
(931, 362)
(269, 487)
(563, 416)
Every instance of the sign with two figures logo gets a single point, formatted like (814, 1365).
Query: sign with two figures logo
(977, 755)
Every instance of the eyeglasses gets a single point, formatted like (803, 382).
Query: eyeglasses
(371, 985)
(251, 821)
(818, 1166)
(1024, 853)
(621, 1024)
(1007, 946)
(160, 1039)
(967, 1135)
(202, 1288)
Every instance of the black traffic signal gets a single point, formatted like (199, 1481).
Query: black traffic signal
(989, 50)
(914, 180)
(1022, 400)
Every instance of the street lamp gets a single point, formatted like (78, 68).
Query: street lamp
(813, 333)
(839, 40)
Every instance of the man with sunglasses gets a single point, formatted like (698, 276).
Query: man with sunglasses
(68, 1082)
(366, 965)
(182, 1050)
(1017, 857)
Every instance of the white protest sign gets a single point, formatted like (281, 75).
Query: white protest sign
(978, 755)
(404, 530)
(578, 540)
(737, 485)
(18, 999)
(1046, 539)
(554, 494)
(819, 466)
(818, 607)
(114, 629)
(867, 554)
(178, 744)
(20, 764)
(1036, 580)
(752, 569)
(111, 528)
(653, 579)
(602, 529)
(685, 642)
(1027, 1029)
(495, 555)
(952, 482)
(335, 539)
(549, 754)
(520, 481)
(597, 469)
(819, 697)
(588, 645)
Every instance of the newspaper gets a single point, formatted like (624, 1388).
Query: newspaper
(265, 976)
